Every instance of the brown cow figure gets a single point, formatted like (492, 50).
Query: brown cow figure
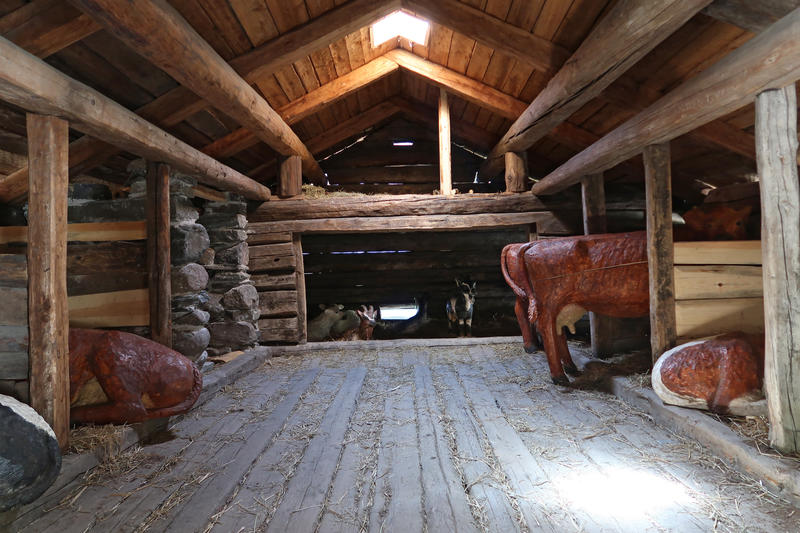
(567, 277)
(513, 267)
(713, 223)
(118, 377)
(723, 374)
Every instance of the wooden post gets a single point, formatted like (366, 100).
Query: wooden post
(658, 185)
(776, 152)
(48, 317)
(291, 177)
(533, 232)
(300, 284)
(158, 253)
(516, 171)
(445, 162)
(593, 199)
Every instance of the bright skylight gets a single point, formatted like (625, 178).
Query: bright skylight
(403, 143)
(400, 24)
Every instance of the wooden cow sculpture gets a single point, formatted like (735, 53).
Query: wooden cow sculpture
(118, 377)
(723, 374)
(513, 267)
(713, 223)
(567, 277)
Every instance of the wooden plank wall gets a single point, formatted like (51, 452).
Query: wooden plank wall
(718, 288)
(13, 322)
(273, 269)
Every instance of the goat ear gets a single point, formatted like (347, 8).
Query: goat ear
(322, 306)
(474, 284)
(458, 282)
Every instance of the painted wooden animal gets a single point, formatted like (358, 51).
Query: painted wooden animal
(344, 330)
(319, 328)
(567, 277)
(460, 306)
(118, 377)
(723, 374)
(714, 222)
(513, 267)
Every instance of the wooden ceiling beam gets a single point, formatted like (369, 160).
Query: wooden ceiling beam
(43, 27)
(307, 105)
(770, 60)
(157, 32)
(542, 54)
(456, 83)
(754, 16)
(626, 34)
(32, 84)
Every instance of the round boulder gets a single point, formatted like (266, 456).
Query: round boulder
(190, 342)
(241, 297)
(30, 458)
(189, 278)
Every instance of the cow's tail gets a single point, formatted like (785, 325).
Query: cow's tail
(185, 405)
(519, 291)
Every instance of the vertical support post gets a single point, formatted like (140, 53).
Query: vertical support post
(48, 315)
(159, 266)
(533, 232)
(290, 179)
(660, 252)
(516, 171)
(602, 329)
(445, 160)
(776, 156)
(300, 284)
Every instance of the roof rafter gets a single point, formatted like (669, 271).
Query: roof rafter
(626, 34)
(156, 31)
(770, 60)
(43, 27)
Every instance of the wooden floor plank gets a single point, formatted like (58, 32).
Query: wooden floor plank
(494, 506)
(93, 504)
(347, 506)
(302, 504)
(262, 488)
(446, 504)
(522, 471)
(199, 463)
(397, 504)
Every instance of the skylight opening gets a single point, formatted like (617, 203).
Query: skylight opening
(403, 143)
(400, 24)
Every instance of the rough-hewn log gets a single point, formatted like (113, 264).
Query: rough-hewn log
(155, 30)
(776, 135)
(388, 224)
(400, 205)
(625, 35)
(43, 27)
(32, 84)
(300, 284)
(48, 318)
(658, 180)
(445, 161)
(290, 179)
(770, 60)
(516, 165)
(158, 253)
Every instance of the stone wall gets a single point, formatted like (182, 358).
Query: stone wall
(233, 299)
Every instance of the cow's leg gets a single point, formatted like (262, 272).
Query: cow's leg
(528, 333)
(550, 339)
(564, 355)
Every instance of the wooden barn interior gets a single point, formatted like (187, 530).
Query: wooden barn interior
(217, 175)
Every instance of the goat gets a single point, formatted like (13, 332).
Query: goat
(319, 329)
(355, 325)
(459, 308)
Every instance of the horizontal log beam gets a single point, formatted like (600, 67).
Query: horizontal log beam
(770, 60)
(157, 32)
(43, 27)
(749, 15)
(401, 223)
(625, 35)
(32, 84)
(402, 205)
